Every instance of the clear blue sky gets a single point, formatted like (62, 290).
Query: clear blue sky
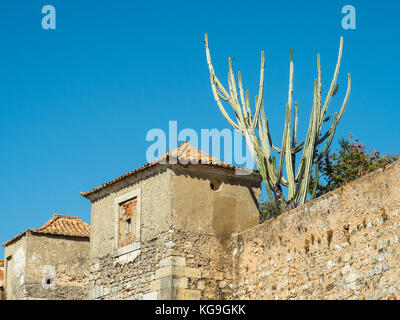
(76, 102)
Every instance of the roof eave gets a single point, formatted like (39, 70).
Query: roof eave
(89, 194)
(13, 239)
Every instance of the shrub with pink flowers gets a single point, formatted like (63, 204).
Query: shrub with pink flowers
(350, 162)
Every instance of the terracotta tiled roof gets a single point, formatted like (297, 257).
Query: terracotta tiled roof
(59, 224)
(184, 154)
(65, 225)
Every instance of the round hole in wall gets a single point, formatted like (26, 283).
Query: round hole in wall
(215, 184)
(48, 281)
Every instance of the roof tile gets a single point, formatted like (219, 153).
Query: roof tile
(59, 224)
(184, 154)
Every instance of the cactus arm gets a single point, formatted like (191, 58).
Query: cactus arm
(234, 101)
(302, 159)
(336, 89)
(243, 101)
(260, 92)
(326, 135)
(221, 96)
(298, 148)
(233, 90)
(248, 105)
(336, 120)
(284, 140)
(347, 96)
(332, 131)
(221, 107)
(288, 156)
(319, 113)
(276, 148)
(214, 83)
(264, 139)
(333, 83)
(294, 142)
(309, 149)
(264, 134)
(294, 138)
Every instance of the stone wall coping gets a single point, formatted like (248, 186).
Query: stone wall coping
(316, 200)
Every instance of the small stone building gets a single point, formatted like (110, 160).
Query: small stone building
(160, 232)
(50, 262)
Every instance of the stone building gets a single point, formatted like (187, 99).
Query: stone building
(50, 262)
(159, 232)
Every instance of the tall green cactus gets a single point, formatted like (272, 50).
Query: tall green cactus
(261, 145)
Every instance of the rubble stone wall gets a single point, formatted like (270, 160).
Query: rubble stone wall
(342, 245)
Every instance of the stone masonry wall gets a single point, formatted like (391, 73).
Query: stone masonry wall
(206, 268)
(113, 279)
(343, 245)
(173, 265)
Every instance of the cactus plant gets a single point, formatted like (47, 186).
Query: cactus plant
(261, 145)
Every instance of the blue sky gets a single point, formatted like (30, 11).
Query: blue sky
(77, 102)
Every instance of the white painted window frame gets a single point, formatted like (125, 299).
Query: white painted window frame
(137, 193)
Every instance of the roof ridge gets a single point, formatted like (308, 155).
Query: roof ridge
(54, 218)
(65, 216)
(196, 157)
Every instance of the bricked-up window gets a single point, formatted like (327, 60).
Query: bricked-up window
(127, 222)
(127, 217)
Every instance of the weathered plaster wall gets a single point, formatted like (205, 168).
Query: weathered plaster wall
(198, 208)
(15, 262)
(64, 260)
(36, 257)
(343, 245)
(155, 208)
